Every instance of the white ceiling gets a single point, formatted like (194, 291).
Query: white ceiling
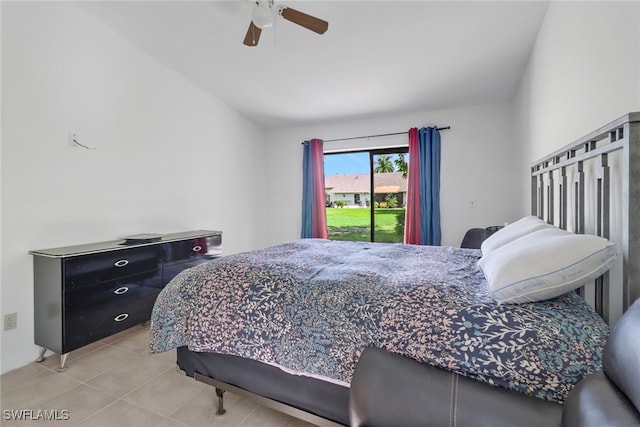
(377, 57)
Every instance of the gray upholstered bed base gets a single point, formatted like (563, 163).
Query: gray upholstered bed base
(316, 401)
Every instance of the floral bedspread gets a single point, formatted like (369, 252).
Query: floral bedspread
(311, 306)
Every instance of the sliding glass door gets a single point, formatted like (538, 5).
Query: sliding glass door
(365, 192)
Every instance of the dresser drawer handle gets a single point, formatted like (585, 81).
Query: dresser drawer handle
(197, 248)
(121, 317)
(121, 263)
(121, 290)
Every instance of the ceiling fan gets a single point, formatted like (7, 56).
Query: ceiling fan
(263, 17)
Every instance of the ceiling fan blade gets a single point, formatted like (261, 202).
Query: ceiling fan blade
(253, 35)
(309, 22)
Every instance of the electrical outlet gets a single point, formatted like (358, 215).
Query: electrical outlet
(73, 137)
(10, 321)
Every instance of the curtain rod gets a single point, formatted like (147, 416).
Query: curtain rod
(379, 135)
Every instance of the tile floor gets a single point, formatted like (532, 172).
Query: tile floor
(116, 382)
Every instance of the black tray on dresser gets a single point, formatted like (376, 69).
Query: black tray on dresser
(88, 292)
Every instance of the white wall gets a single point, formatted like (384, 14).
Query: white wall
(583, 73)
(476, 165)
(168, 157)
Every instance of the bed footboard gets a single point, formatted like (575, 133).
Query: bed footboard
(393, 390)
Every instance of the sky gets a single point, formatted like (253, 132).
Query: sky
(343, 164)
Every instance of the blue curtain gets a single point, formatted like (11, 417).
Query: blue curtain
(429, 165)
(307, 192)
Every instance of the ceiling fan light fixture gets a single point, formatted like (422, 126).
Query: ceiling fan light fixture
(262, 17)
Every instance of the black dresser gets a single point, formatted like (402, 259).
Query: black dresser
(85, 293)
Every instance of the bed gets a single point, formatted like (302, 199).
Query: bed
(286, 324)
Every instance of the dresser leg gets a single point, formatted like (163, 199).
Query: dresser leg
(41, 355)
(63, 360)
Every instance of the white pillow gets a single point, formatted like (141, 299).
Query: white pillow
(545, 264)
(513, 231)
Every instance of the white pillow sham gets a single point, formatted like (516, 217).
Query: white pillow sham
(513, 231)
(545, 264)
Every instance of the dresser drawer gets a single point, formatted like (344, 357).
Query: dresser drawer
(171, 270)
(114, 293)
(205, 247)
(89, 269)
(142, 304)
(87, 327)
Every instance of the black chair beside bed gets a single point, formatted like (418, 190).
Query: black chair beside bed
(474, 237)
(392, 390)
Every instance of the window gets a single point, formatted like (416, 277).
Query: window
(367, 192)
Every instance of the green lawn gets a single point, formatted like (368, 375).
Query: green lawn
(355, 224)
